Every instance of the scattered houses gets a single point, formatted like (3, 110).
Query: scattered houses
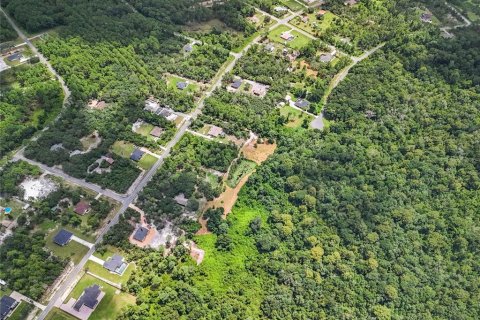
(63, 237)
(137, 154)
(7, 305)
(154, 107)
(115, 264)
(82, 207)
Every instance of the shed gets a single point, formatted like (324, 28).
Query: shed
(62, 237)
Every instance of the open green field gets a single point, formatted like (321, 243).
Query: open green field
(239, 171)
(112, 303)
(292, 5)
(221, 271)
(172, 81)
(21, 311)
(295, 117)
(110, 251)
(99, 270)
(298, 42)
(123, 149)
(145, 129)
(147, 161)
(72, 250)
(57, 314)
(314, 26)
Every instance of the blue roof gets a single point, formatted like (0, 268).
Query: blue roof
(15, 56)
(237, 83)
(6, 304)
(140, 234)
(62, 237)
(136, 155)
(182, 85)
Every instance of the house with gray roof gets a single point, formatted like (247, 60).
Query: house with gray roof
(7, 305)
(89, 298)
(115, 264)
(302, 103)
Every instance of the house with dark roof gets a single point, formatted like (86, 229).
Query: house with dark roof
(89, 298)
(14, 57)
(302, 103)
(62, 237)
(426, 17)
(236, 84)
(188, 47)
(181, 85)
(115, 264)
(326, 57)
(136, 155)
(140, 234)
(7, 305)
(82, 207)
(156, 132)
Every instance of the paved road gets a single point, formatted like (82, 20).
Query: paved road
(66, 91)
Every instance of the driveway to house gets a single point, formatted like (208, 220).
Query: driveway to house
(20, 297)
(83, 242)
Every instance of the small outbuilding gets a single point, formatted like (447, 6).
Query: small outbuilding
(63, 237)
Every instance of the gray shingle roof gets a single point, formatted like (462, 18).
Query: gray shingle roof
(88, 298)
(136, 155)
(62, 237)
(140, 234)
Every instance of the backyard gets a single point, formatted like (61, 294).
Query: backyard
(123, 149)
(315, 26)
(299, 41)
(294, 116)
(99, 270)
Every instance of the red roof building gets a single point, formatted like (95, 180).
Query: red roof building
(82, 207)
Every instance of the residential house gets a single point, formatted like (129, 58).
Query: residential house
(236, 84)
(215, 131)
(321, 13)
(82, 207)
(89, 298)
(136, 155)
(326, 57)
(302, 103)
(269, 47)
(426, 17)
(140, 234)
(181, 85)
(7, 305)
(156, 132)
(181, 199)
(280, 9)
(287, 36)
(151, 105)
(63, 237)
(350, 2)
(259, 89)
(108, 158)
(304, 19)
(17, 56)
(115, 264)
(253, 19)
(188, 48)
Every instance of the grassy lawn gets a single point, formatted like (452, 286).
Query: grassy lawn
(172, 81)
(112, 303)
(213, 180)
(314, 26)
(145, 129)
(225, 271)
(16, 208)
(123, 149)
(240, 170)
(110, 251)
(292, 5)
(298, 42)
(100, 271)
(57, 314)
(72, 250)
(21, 312)
(295, 117)
(147, 161)
(4, 291)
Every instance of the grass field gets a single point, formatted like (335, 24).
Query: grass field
(110, 251)
(298, 42)
(112, 303)
(172, 81)
(99, 270)
(72, 250)
(314, 26)
(295, 117)
(145, 129)
(147, 161)
(123, 149)
(222, 272)
(239, 171)
(57, 314)
(292, 5)
(21, 311)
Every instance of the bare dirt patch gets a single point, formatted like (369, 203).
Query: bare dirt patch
(258, 152)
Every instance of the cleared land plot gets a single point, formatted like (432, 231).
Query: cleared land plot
(239, 171)
(145, 129)
(294, 116)
(298, 42)
(72, 250)
(147, 161)
(100, 271)
(292, 5)
(112, 303)
(314, 25)
(123, 149)
(57, 314)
